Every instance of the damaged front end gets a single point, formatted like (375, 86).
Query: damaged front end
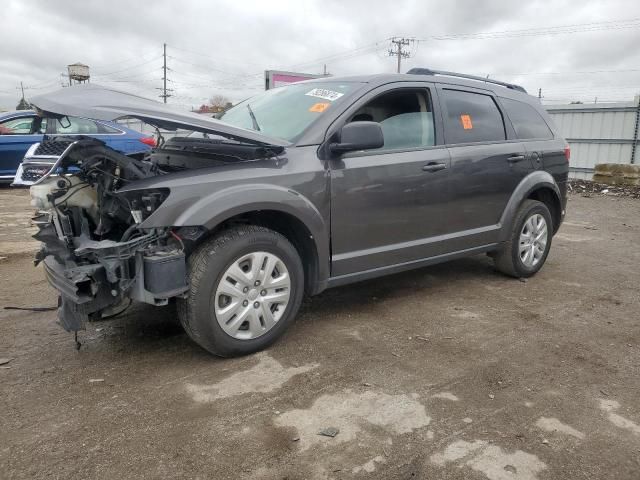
(94, 251)
(100, 246)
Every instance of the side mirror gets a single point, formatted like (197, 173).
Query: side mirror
(359, 136)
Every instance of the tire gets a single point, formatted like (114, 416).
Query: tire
(510, 260)
(224, 317)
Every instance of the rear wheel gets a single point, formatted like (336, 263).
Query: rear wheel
(530, 241)
(246, 285)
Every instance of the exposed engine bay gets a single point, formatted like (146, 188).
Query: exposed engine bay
(95, 251)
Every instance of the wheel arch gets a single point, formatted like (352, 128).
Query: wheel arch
(291, 227)
(549, 197)
(538, 185)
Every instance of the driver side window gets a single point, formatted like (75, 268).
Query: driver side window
(405, 116)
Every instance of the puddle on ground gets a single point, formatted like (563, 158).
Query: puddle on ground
(465, 315)
(370, 466)
(555, 425)
(494, 462)
(445, 396)
(618, 420)
(268, 375)
(571, 237)
(354, 414)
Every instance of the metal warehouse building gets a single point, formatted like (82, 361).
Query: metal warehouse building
(598, 133)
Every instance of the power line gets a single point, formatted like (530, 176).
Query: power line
(200, 65)
(106, 65)
(217, 59)
(537, 31)
(132, 67)
(628, 70)
(126, 77)
(362, 50)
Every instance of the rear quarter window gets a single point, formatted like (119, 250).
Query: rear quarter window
(527, 122)
(102, 128)
(471, 117)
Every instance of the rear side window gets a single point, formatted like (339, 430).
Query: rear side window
(76, 126)
(472, 117)
(526, 121)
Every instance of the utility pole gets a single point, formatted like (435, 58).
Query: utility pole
(539, 93)
(164, 94)
(636, 129)
(22, 88)
(398, 43)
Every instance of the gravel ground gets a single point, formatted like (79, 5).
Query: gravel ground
(451, 372)
(587, 188)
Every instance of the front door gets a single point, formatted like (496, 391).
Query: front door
(16, 136)
(386, 204)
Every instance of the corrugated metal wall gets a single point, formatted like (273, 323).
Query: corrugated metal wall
(597, 133)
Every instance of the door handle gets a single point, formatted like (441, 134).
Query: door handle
(515, 158)
(434, 167)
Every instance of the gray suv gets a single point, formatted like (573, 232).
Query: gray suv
(298, 189)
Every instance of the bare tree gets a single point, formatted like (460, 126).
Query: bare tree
(219, 102)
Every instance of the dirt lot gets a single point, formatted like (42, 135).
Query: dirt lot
(452, 372)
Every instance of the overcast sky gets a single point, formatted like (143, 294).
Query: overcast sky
(223, 47)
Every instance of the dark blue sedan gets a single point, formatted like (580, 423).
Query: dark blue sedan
(21, 129)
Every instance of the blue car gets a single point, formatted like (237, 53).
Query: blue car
(19, 130)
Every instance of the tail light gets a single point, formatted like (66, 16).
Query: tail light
(567, 153)
(148, 141)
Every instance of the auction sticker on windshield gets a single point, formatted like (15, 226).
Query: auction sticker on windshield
(319, 107)
(324, 94)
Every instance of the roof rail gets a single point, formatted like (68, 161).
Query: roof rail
(428, 71)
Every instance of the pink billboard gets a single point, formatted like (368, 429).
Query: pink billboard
(275, 78)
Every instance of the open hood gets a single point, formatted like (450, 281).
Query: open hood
(103, 103)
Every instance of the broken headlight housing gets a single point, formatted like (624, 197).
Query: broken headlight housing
(142, 203)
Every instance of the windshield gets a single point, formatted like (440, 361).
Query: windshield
(286, 112)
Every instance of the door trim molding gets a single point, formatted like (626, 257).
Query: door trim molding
(413, 243)
(400, 267)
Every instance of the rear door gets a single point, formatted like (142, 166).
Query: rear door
(387, 203)
(546, 153)
(17, 134)
(487, 163)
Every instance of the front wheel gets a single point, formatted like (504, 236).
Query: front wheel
(246, 286)
(529, 243)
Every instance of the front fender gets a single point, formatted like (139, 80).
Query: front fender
(209, 211)
(212, 209)
(533, 181)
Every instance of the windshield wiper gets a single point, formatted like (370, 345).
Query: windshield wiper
(253, 118)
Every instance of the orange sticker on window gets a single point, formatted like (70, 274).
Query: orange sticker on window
(319, 107)
(466, 122)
